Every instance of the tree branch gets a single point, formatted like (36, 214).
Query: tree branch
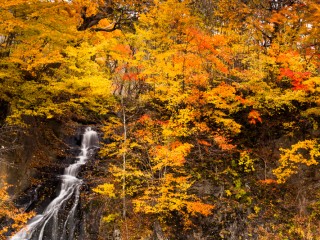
(94, 19)
(120, 15)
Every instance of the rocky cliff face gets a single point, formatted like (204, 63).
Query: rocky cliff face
(35, 154)
(33, 159)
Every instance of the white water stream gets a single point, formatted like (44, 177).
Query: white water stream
(70, 189)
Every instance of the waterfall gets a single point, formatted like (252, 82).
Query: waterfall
(50, 221)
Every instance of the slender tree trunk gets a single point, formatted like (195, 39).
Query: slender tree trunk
(124, 157)
(124, 162)
(158, 231)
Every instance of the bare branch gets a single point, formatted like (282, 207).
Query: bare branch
(121, 16)
(94, 19)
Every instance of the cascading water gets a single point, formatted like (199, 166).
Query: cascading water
(50, 224)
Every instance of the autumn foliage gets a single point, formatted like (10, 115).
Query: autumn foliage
(210, 109)
(8, 212)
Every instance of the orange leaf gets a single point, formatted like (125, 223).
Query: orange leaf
(254, 116)
(268, 181)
